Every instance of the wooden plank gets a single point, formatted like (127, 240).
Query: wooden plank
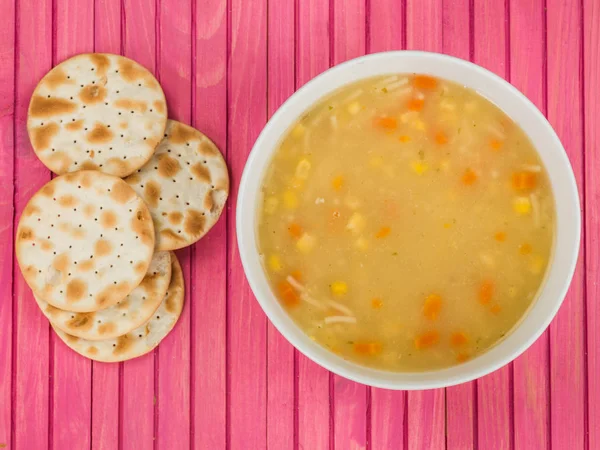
(314, 402)
(138, 400)
(72, 375)
(31, 413)
(247, 324)
(424, 25)
(208, 295)
(349, 35)
(567, 331)
(494, 392)
(591, 77)
(531, 375)
(7, 144)
(173, 371)
(281, 377)
(389, 417)
(105, 377)
(457, 36)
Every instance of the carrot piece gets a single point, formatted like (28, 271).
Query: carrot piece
(296, 275)
(368, 348)
(462, 357)
(287, 294)
(295, 230)
(376, 303)
(389, 123)
(469, 177)
(500, 236)
(486, 292)
(496, 144)
(415, 104)
(458, 339)
(337, 183)
(425, 82)
(383, 232)
(496, 309)
(441, 138)
(525, 249)
(404, 139)
(427, 339)
(524, 181)
(432, 306)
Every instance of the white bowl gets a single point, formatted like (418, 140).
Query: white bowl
(513, 103)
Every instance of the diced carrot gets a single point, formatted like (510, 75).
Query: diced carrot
(496, 144)
(383, 232)
(389, 123)
(500, 236)
(337, 183)
(432, 306)
(287, 294)
(377, 303)
(524, 180)
(469, 177)
(495, 309)
(441, 138)
(296, 275)
(459, 339)
(462, 357)
(525, 249)
(404, 139)
(486, 292)
(368, 348)
(295, 230)
(425, 82)
(415, 104)
(427, 339)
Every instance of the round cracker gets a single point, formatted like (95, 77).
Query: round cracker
(144, 338)
(97, 111)
(84, 241)
(136, 309)
(185, 185)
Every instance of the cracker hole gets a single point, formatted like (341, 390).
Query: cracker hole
(121, 135)
(81, 85)
(117, 92)
(93, 82)
(119, 113)
(131, 112)
(150, 110)
(140, 335)
(106, 103)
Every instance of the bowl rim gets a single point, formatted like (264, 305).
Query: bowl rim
(566, 246)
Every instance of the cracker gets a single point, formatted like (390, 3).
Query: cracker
(185, 185)
(84, 241)
(97, 111)
(144, 338)
(136, 309)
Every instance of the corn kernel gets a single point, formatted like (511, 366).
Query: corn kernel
(339, 288)
(275, 263)
(404, 139)
(356, 223)
(419, 125)
(302, 169)
(354, 108)
(522, 206)
(447, 225)
(419, 167)
(298, 131)
(362, 244)
(537, 264)
(306, 243)
(290, 200)
(271, 204)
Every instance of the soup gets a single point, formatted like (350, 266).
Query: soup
(406, 223)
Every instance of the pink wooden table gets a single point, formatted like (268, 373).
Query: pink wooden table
(225, 378)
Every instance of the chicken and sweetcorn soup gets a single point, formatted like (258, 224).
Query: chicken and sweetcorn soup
(406, 223)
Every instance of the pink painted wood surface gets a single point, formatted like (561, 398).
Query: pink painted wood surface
(225, 378)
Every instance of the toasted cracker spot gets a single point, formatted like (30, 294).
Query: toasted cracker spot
(51, 310)
(81, 321)
(85, 178)
(118, 166)
(43, 107)
(108, 294)
(60, 161)
(42, 136)
(123, 305)
(124, 125)
(68, 201)
(131, 71)
(194, 222)
(142, 225)
(180, 133)
(76, 289)
(101, 62)
(106, 328)
(74, 126)
(102, 248)
(78, 234)
(30, 210)
(71, 339)
(47, 245)
(208, 149)
(61, 262)
(86, 266)
(89, 165)
(168, 234)
(159, 106)
(89, 210)
(108, 219)
(55, 78)
(175, 218)
(130, 104)
(176, 285)
(26, 234)
(92, 94)
(168, 167)
(208, 201)
(140, 267)
(121, 192)
(92, 350)
(134, 178)
(152, 193)
(100, 134)
(149, 282)
(200, 171)
(123, 344)
(47, 190)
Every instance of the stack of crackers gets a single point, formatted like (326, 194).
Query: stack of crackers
(96, 243)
